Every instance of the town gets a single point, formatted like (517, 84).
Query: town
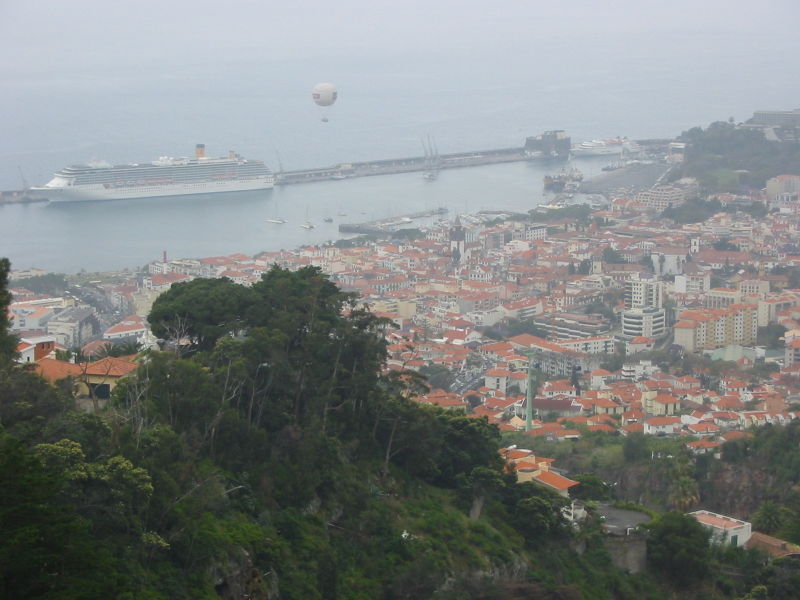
(671, 311)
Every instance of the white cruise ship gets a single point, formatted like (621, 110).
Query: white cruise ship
(604, 147)
(166, 176)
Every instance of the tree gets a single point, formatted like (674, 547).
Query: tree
(575, 381)
(124, 348)
(591, 487)
(683, 493)
(725, 244)
(51, 284)
(201, 311)
(634, 448)
(483, 483)
(769, 517)
(47, 550)
(610, 255)
(8, 342)
(771, 336)
(438, 377)
(678, 547)
(781, 577)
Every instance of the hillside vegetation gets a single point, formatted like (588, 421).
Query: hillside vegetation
(724, 157)
(267, 455)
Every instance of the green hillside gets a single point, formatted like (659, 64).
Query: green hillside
(266, 454)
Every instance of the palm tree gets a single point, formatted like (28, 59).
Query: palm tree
(125, 348)
(683, 493)
(768, 518)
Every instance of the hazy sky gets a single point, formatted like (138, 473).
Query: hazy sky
(124, 79)
(78, 34)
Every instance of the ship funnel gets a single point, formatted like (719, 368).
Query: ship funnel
(200, 151)
(231, 154)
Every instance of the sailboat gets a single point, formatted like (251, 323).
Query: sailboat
(432, 161)
(276, 219)
(308, 224)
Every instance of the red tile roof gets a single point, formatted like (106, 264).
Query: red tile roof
(555, 481)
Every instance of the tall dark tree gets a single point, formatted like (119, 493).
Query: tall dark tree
(8, 342)
(200, 311)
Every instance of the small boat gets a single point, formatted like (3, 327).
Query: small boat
(307, 225)
(277, 221)
(328, 219)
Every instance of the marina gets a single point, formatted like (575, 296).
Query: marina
(390, 224)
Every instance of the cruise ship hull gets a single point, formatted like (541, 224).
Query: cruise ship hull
(603, 151)
(165, 176)
(613, 147)
(99, 192)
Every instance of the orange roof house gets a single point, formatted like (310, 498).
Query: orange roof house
(92, 380)
(554, 481)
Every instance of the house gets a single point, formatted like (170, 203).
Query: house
(530, 467)
(556, 482)
(497, 378)
(95, 380)
(773, 546)
(703, 446)
(132, 327)
(31, 349)
(662, 404)
(560, 406)
(703, 429)
(662, 426)
(724, 530)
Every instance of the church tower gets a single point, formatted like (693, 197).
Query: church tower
(457, 240)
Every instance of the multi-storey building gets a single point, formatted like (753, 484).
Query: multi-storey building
(693, 281)
(707, 329)
(722, 297)
(661, 197)
(759, 287)
(562, 325)
(777, 118)
(643, 293)
(647, 322)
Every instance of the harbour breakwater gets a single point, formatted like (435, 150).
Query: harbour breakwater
(394, 166)
(549, 146)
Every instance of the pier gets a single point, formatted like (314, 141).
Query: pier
(390, 224)
(393, 166)
(19, 197)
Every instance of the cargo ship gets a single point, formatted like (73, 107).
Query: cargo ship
(566, 180)
(165, 176)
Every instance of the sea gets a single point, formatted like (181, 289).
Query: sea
(261, 108)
